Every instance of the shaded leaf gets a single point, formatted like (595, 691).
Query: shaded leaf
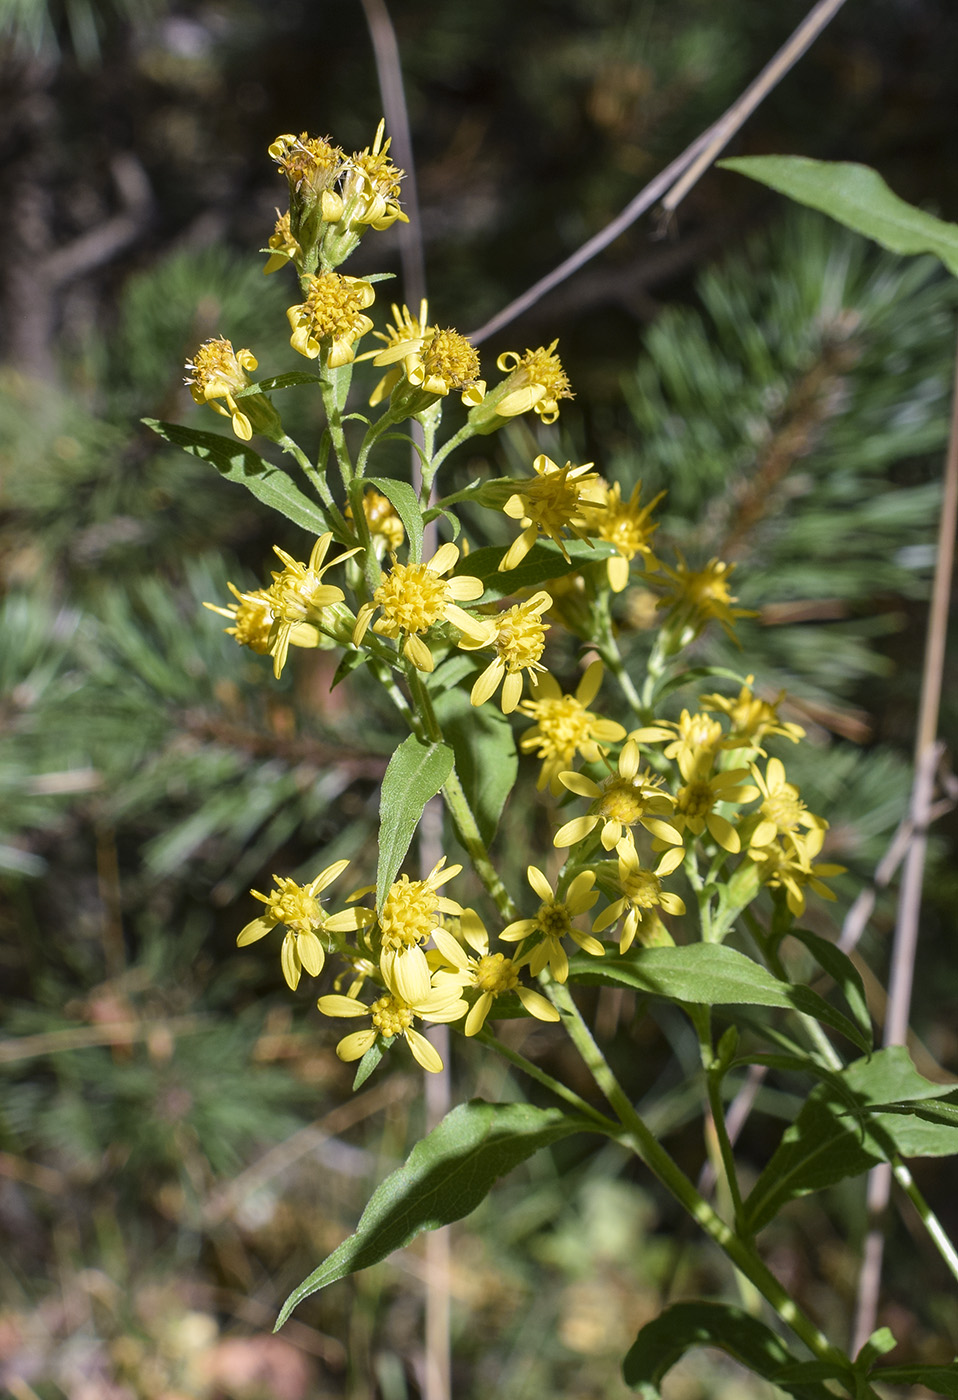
(238, 463)
(665, 1340)
(843, 973)
(415, 773)
(544, 561)
(857, 197)
(486, 758)
(713, 975)
(444, 1177)
(943, 1380)
(403, 497)
(844, 1128)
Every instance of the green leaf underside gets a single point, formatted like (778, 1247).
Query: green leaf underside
(401, 495)
(713, 975)
(445, 1176)
(415, 773)
(844, 1128)
(486, 758)
(843, 973)
(240, 464)
(683, 1326)
(544, 561)
(279, 381)
(857, 197)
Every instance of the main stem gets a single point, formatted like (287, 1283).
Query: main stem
(643, 1142)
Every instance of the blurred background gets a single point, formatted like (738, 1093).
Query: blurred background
(178, 1142)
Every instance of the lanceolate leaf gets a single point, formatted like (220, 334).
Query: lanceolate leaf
(843, 972)
(404, 498)
(238, 463)
(844, 1128)
(857, 197)
(663, 1342)
(544, 561)
(415, 773)
(279, 381)
(943, 1380)
(486, 759)
(711, 974)
(445, 1176)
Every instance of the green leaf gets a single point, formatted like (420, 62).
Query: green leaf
(370, 1060)
(544, 561)
(279, 381)
(711, 974)
(857, 197)
(845, 1127)
(665, 1340)
(415, 773)
(695, 673)
(445, 1176)
(843, 973)
(943, 1380)
(486, 758)
(406, 502)
(238, 463)
(348, 662)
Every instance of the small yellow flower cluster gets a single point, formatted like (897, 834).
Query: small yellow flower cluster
(427, 364)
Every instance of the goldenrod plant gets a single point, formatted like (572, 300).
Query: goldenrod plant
(680, 854)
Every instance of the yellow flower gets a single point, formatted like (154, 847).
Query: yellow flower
(435, 362)
(697, 596)
(394, 1014)
(408, 918)
(695, 805)
(551, 503)
(783, 815)
(642, 894)
(297, 595)
(283, 247)
(553, 922)
(790, 871)
(385, 527)
(518, 635)
(490, 974)
(331, 318)
(627, 527)
(565, 726)
(629, 797)
(694, 750)
(751, 717)
(311, 165)
(536, 381)
(253, 618)
(299, 908)
(216, 371)
(414, 596)
(370, 186)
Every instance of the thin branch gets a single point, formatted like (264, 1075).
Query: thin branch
(675, 181)
(909, 903)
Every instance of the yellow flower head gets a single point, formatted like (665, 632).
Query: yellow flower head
(788, 870)
(331, 318)
(414, 596)
(783, 816)
(252, 617)
(697, 596)
(370, 186)
(565, 726)
(551, 503)
(298, 595)
(490, 974)
(283, 247)
(642, 894)
(696, 801)
(409, 916)
(518, 635)
(626, 526)
(310, 163)
(752, 718)
(699, 739)
(299, 908)
(434, 362)
(553, 922)
(385, 527)
(629, 797)
(536, 381)
(394, 1014)
(216, 371)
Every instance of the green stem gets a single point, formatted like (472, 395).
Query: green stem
(555, 1086)
(608, 649)
(649, 1151)
(463, 435)
(337, 434)
(318, 481)
(928, 1217)
(701, 1017)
